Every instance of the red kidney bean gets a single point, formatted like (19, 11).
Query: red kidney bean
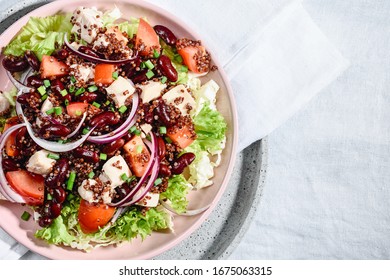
(59, 195)
(140, 77)
(148, 114)
(130, 69)
(54, 131)
(15, 64)
(88, 97)
(34, 81)
(9, 165)
(45, 221)
(25, 97)
(166, 34)
(182, 162)
(54, 209)
(32, 60)
(163, 116)
(111, 148)
(87, 155)
(19, 137)
(165, 171)
(61, 54)
(88, 51)
(57, 86)
(127, 137)
(161, 148)
(58, 176)
(121, 192)
(166, 68)
(103, 119)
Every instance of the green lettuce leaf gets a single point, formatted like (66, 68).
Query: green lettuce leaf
(210, 128)
(65, 229)
(41, 35)
(176, 193)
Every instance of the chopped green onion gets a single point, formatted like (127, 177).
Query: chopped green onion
(156, 54)
(177, 58)
(142, 65)
(64, 92)
(53, 156)
(44, 97)
(149, 74)
(49, 197)
(46, 83)
(70, 183)
(61, 141)
(130, 179)
(184, 68)
(85, 131)
(134, 130)
(72, 88)
(107, 102)
(79, 113)
(70, 196)
(148, 137)
(58, 110)
(149, 64)
(50, 111)
(25, 216)
(115, 75)
(80, 91)
(92, 88)
(73, 79)
(124, 177)
(169, 140)
(163, 130)
(91, 175)
(42, 90)
(122, 109)
(139, 149)
(158, 181)
(97, 105)
(66, 102)
(103, 156)
(163, 79)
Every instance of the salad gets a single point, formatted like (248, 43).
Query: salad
(112, 121)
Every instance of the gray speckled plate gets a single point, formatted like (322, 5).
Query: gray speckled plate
(222, 231)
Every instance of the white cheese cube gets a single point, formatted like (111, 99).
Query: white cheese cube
(101, 41)
(120, 90)
(151, 90)
(87, 22)
(113, 170)
(4, 104)
(146, 128)
(149, 200)
(40, 164)
(85, 194)
(46, 106)
(83, 73)
(180, 98)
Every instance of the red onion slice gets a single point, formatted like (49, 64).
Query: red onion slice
(113, 137)
(96, 59)
(124, 127)
(151, 164)
(5, 189)
(19, 85)
(187, 213)
(78, 127)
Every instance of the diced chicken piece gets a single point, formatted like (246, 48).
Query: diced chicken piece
(4, 104)
(180, 98)
(87, 22)
(120, 90)
(40, 164)
(151, 90)
(114, 170)
(149, 200)
(83, 73)
(88, 195)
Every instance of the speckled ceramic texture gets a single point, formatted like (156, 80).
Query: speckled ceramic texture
(222, 231)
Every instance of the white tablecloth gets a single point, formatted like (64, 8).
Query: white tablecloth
(327, 194)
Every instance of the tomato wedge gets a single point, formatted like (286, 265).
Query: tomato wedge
(181, 136)
(103, 74)
(137, 155)
(30, 186)
(76, 109)
(188, 55)
(92, 217)
(148, 37)
(51, 68)
(10, 144)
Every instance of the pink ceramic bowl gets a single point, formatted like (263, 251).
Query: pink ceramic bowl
(158, 242)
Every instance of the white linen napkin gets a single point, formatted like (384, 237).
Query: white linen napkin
(275, 57)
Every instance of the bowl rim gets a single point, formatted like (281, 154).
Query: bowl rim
(9, 31)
